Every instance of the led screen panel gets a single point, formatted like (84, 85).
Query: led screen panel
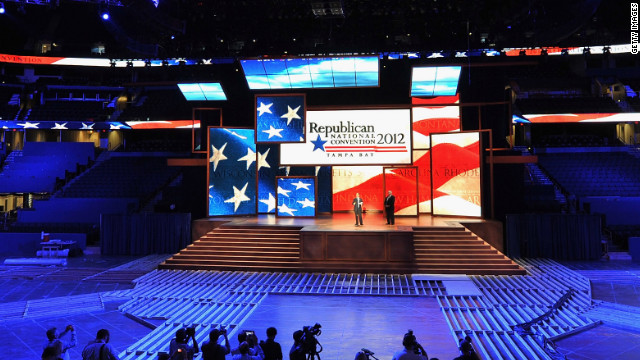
(268, 170)
(296, 196)
(435, 80)
(308, 73)
(366, 180)
(433, 119)
(232, 172)
(280, 118)
(353, 137)
(202, 91)
(455, 174)
(402, 182)
(573, 118)
(422, 161)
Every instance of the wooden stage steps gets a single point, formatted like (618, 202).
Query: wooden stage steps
(437, 250)
(246, 248)
(455, 250)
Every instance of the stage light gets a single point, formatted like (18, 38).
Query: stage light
(105, 16)
(2, 10)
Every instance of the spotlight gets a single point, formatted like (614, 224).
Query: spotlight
(2, 10)
(105, 16)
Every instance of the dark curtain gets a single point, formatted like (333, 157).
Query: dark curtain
(554, 236)
(144, 234)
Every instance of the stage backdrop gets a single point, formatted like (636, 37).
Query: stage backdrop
(353, 137)
(296, 196)
(232, 172)
(280, 118)
(455, 174)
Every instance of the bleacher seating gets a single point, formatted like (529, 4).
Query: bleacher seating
(121, 177)
(157, 104)
(567, 105)
(9, 101)
(40, 163)
(594, 173)
(572, 141)
(69, 111)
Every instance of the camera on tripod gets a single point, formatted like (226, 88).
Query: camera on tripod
(310, 345)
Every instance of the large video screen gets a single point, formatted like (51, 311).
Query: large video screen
(456, 174)
(353, 137)
(311, 73)
(296, 196)
(574, 118)
(280, 118)
(232, 172)
(366, 180)
(433, 119)
(202, 91)
(435, 80)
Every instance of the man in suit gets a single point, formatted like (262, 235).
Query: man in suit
(389, 203)
(357, 208)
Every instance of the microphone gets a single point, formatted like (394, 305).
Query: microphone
(366, 351)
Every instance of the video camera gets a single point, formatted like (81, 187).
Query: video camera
(310, 344)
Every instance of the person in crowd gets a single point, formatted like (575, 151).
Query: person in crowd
(271, 349)
(467, 351)
(50, 353)
(412, 349)
(357, 208)
(389, 208)
(179, 347)
(55, 341)
(252, 340)
(297, 349)
(244, 349)
(100, 349)
(211, 350)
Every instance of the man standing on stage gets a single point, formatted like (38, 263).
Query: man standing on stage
(357, 208)
(389, 208)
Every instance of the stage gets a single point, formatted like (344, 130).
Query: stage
(332, 243)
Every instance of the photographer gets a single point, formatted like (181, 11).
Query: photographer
(271, 348)
(249, 336)
(297, 349)
(244, 353)
(54, 340)
(211, 350)
(412, 349)
(179, 348)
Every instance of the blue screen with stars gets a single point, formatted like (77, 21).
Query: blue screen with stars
(280, 118)
(296, 196)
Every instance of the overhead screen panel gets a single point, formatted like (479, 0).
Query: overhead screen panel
(353, 137)
(435, 80)
(575, 118)
(311, 73)
(202, 91)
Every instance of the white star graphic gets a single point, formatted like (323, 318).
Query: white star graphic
(262, 160)
(285, 209)
(62, 126)
(301, 185)
(28, 125)
(270, 202)
(283, 191)
(318, 170)
(291, 114)
(87, 127)
(217, 156)
(287, 169)
(236, 134)
(273, 132)
(307, 203)
(115, 126)
(210, 187)
(238, 197)
(249, 158)
(264, 108)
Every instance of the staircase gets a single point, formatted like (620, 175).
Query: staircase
(455, 250)
(234, 247)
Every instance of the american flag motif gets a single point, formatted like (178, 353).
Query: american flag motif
(280, 118)
(232, 171)
(296, 196)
